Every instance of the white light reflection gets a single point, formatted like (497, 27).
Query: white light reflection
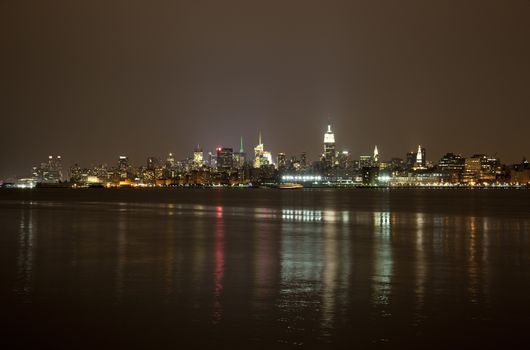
(472, 260)
(383, 261)
(25, 258)
(329, 278)
(301, 215)
(121, 254)
(219, 265)
(420, 266)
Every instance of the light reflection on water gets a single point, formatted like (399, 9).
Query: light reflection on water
(306, 273)
(25, 256)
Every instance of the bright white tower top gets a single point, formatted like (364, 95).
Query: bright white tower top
(419, 155)
(329, 137)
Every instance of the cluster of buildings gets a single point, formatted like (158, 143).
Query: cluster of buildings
(228, 167)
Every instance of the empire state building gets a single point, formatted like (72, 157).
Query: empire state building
(329, 147)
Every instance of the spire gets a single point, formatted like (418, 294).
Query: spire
(241, 145)
(419, 155)
(376, 152)
(259, 143)
(329, 128)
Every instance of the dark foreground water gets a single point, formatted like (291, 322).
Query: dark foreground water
(264, 268)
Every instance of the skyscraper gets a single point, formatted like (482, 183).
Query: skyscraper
(224, 158)
(421, 159)
(261, 157)
(329, 148)
(281, 161)
(49, 172)
(197, 157)
(123, 167)
(240, 157)
(376, 155)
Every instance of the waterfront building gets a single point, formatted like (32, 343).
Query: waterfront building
(520, 173)
(452, 165)
(482, 169)
(472, 169)
(49, 172)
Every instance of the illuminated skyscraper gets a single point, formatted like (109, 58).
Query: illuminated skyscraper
(376, 155)
(329, 148)
(421, 159)
(49, 172)
(240, 157)
(261, 157)
(170, 161)
(197, 157)
(123, 167)
(258, 153)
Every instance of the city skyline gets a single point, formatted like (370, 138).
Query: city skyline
(88, 80)
(249, 146)
(334, 167)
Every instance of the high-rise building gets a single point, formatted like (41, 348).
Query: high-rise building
(329, 148)
(197, 157)
(240, 157)
(482, 169)
(258, 153)
(123, 167)
(170, 161)
(366, 162)
(376, 155)
(303, 160)
(212, 160)
(50, 171)
(472, 169)
(224, 158)
(452, 166)
(421, 159)
(281, 161)
(152, 163)
(261, 157)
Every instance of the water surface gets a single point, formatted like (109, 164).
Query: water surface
(265, 268)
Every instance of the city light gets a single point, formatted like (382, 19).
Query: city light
(225, 167)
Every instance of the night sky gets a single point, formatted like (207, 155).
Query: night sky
(92, 80)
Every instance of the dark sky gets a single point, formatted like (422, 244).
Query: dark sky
(91, 80)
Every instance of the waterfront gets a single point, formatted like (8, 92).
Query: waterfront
(265, 268)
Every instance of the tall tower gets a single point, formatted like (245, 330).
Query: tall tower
(197, 156)
(240, 157)
(421, 159)
(329, 147)
(376, 155)
(258, 153)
